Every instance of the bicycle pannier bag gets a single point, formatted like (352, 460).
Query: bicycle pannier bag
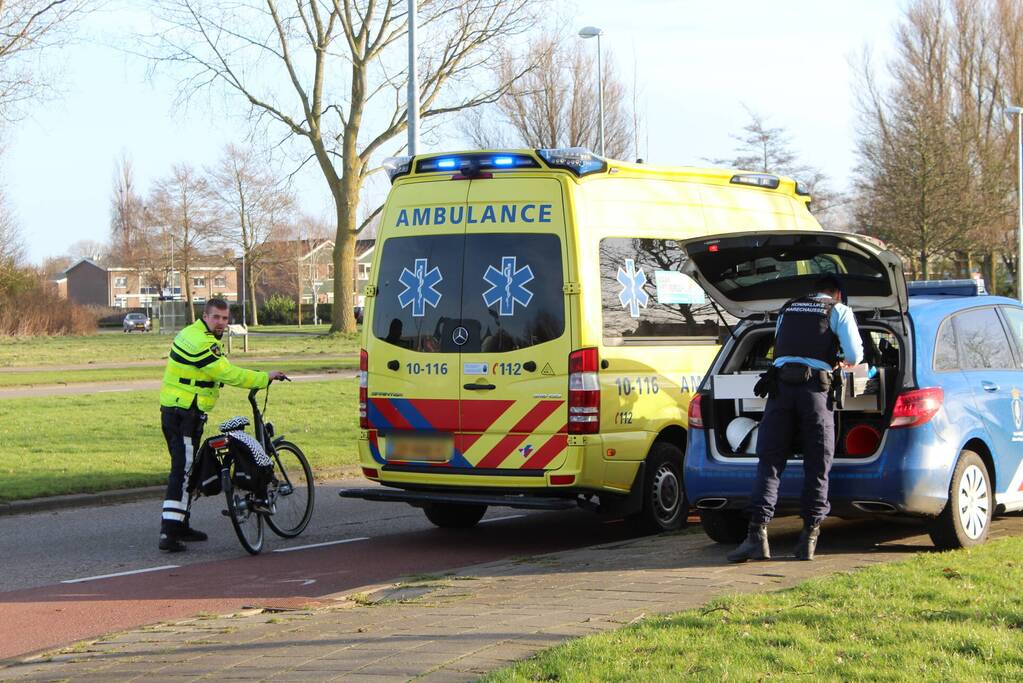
(253, 468)
(205, 475)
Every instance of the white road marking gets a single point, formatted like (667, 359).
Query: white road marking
(500, 519)
(320, 545)
(304, 582)
(135, 571)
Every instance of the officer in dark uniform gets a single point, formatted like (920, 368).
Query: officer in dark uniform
(196, 369)
(809, 333)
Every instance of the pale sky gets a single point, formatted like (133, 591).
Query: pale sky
(697, 63)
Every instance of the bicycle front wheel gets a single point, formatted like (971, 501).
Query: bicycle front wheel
(247, 523)
(292, 492)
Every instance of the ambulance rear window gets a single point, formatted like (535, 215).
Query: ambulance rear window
(477, 293)
(646, 299)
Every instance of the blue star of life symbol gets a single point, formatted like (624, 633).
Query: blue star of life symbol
(632, 295)
(507, 286)
(420, 287)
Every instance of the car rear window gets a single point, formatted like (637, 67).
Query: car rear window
(505, 289)
(946, 352)
(1014, 316)
(646, 299)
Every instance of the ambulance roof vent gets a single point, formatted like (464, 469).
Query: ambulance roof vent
(397, 166)
(578, 160)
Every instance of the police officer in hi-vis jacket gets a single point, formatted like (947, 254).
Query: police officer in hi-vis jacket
(809, 333)
(196, 369)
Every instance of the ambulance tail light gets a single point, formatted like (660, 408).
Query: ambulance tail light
(695, 413)
(583, 392)
(917, 407)
(363, 389)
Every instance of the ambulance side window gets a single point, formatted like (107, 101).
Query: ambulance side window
(645, 297)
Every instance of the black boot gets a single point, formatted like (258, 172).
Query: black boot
(190, 535)
(169, 543)
(807, 542)
(755, 546)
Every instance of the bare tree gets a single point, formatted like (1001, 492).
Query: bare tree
(90, 249)
(331, 72)
(933, 177)
(557, 103)
(769, 150)
(28, 27)
(255, 205)
(184, 207)
(12, 248)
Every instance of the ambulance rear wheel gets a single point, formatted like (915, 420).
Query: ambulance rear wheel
(665, 507)
(451, 516)
(724, 526)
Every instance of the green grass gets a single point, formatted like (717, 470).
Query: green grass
(96, 442)
(936, 616)
(20, 378)
(116, 347)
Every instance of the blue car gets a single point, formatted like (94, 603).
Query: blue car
(930, 426)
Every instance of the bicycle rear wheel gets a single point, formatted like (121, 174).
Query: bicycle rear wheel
(247, 523)
(292, 493)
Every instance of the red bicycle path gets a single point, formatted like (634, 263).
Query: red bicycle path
(44, 618)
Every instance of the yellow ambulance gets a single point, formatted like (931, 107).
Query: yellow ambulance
(530, 339)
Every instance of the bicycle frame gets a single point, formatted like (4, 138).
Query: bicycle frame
(259, 427)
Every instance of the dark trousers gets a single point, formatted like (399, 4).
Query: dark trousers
(183, 431)
(805, 405)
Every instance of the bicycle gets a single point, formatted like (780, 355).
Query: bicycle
(290, 493)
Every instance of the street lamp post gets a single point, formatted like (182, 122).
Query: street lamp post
(594, 32)
(1018, 112)
(412, 104)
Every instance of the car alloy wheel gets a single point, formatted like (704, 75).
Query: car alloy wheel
(973, 503)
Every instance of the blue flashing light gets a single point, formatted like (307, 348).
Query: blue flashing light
(447, 164)
(504, 161)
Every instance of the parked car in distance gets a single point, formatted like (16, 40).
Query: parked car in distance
(137, 321)
(358, 314)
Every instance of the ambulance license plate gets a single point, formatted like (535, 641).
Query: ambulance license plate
(419, 448)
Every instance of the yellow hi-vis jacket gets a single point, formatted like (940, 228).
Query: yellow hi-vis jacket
(197, 368)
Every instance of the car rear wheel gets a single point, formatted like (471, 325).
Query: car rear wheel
(451, 516)
(724, 526)
(665, 507)
(966, 519)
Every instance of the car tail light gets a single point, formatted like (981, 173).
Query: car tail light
(363, 391)
(695, 413)
(370, 473)
(562, 479)
(916, 407)
(583, 392)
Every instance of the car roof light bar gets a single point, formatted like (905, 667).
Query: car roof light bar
(397, 166)
(962, 287)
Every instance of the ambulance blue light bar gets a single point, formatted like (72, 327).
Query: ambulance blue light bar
(578, 160)
(471, 164)
(963, 287)
(397, 166)
(765, 180)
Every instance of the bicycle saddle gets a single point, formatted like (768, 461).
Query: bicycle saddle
(234, 424)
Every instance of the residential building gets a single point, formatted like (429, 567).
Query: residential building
(86, 283)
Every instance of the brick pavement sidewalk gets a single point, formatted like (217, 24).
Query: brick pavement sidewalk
(463, 624)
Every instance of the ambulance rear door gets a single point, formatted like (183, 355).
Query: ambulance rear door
(514, 362)
(414, 371)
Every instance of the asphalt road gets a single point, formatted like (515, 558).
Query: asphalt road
(55, 586)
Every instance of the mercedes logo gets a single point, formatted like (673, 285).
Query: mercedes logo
(460, 335)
